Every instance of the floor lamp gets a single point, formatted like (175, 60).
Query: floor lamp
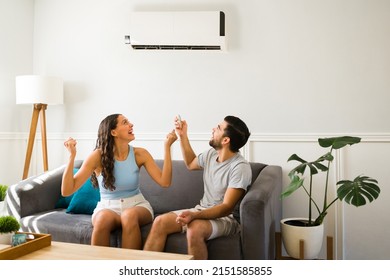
(39, 91)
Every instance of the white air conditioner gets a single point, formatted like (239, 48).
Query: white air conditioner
(177, 31)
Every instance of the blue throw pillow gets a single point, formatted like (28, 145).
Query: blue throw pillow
(85, 199)
(63, 201)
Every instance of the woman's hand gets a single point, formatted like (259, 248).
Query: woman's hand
(70, 145)
(171, 138)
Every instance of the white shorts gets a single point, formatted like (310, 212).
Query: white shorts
(223, 226)
(119, 205)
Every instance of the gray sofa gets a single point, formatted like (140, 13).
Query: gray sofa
(33, 201)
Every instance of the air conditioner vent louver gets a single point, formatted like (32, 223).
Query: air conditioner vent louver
(177, 31)
(144, 47)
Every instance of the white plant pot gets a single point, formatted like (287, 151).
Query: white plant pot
(311, 236)
(6, 238)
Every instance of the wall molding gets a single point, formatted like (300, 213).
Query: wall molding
(205, 137)
(255, 137)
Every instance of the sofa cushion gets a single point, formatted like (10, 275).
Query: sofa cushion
(62, 227)
(85, 199)
(185, 191)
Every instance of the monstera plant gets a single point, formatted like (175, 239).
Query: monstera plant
(357, 192)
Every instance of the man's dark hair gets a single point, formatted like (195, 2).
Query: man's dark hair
(237, 131)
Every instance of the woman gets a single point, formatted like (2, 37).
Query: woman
(114, 167)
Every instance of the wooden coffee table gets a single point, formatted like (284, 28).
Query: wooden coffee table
(72, 251)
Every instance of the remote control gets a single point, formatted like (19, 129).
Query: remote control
(179, 120)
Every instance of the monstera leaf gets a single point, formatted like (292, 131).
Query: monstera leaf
(358, 191)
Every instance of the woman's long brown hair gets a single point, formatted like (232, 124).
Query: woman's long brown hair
(105, 142)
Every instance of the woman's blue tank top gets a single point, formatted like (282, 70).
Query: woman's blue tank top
(126, 179)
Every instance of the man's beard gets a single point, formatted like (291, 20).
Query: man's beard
(215, 144)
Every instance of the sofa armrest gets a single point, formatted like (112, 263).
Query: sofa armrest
(260, 213)
(35, 194)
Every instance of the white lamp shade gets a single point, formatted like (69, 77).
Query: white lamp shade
(34, 89)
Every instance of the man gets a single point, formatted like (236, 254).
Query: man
(226, 176)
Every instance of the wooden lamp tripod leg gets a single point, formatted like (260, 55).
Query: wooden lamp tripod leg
(31, 138)
(39, 110)
(44, 139)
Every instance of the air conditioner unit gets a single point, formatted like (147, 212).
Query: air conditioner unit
(177, 31)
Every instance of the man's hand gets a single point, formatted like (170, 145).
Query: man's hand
(180, 127)
(185, 217)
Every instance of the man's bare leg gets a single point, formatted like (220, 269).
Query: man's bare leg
(197, 234)
(162, 226)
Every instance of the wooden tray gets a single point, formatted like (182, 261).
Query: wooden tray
(35, 241)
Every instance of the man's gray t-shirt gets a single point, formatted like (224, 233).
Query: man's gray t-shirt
(232, 173)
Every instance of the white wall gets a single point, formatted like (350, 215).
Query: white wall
(294, 71)
(16, 57)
